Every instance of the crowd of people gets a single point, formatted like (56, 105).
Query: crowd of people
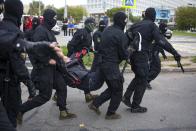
(139, 46)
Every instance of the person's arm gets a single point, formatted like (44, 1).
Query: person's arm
(162, 42)
(122, 47)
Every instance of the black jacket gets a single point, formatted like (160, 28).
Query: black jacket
(113, 45)
(97, 39)
(149, 32)
(81, 39)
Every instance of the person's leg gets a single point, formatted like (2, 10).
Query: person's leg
(116, 87)
(5, 124)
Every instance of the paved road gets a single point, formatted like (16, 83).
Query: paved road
(186, 45)
(171, 107)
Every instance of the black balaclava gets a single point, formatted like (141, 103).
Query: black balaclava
(150, 14)
(35, 23)
(90, 24)
(14, 11)
(120, 19)
(49, 18)
(102, 25)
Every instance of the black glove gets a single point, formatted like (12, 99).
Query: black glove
(177, 56)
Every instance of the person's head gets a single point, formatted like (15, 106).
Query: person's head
(49, 18)
(150, 14)
(14, 8)
(90, 24)
(102, 25)
(120, 19)
(35, 22)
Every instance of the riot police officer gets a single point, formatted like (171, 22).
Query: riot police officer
(45, 73)
(155, 62)
(82, 40)
(12, 67)
(111, 52)
(140, 59)
(97, 41)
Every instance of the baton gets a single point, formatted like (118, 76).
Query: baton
(180, 65)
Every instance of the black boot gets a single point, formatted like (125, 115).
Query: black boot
(139, 109)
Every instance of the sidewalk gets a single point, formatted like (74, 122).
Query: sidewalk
(171, 66)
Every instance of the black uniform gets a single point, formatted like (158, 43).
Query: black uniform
(46, 76)
(12, 67)
(97, 41)
(81, 39)
(155, 62)
(140, 59)
(112, 51)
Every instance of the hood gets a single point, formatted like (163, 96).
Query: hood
(14, 9)
(35, 22)
(150, 14)
(120, 19)
(49, 18)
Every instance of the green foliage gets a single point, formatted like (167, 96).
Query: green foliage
(132, 18)
(183, 33)
(185, 18)
(76, 12)
(60, 13)
(193, 59)
(111, 12)
(34, 8)
(64, 49)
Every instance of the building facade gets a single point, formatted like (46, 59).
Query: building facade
(97, 7)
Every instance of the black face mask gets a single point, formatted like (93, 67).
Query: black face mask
(120, 19)
(102, 26)
(49, 18)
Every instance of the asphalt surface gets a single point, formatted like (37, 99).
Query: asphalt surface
(171, 107)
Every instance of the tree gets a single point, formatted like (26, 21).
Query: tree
(34, 8)
(185, 18)
(60, 13)
(77, 12)
(112, 11)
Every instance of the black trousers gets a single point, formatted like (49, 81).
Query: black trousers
(155, 67)
(11, 97)
(92, 82)
(138, 85)
(113, 79)
(5, 124)
(45, 80)
(65, 32)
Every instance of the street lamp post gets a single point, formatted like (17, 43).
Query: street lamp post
(65, 9)
(39, 9)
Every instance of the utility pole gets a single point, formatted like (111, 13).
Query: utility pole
(65, 9)
(39, 9)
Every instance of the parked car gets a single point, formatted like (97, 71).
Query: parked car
(56, 29)
(80, 25)
(168, 34)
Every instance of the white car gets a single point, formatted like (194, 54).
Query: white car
(56, 29)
